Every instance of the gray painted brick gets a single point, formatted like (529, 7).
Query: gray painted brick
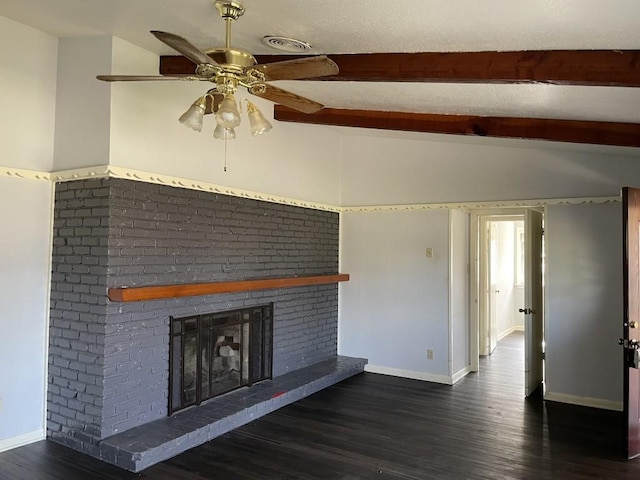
(140, 234)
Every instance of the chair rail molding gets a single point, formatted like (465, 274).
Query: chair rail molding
(23, 174)
(480, 205)
(112, 171)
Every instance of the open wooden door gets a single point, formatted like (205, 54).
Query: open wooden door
(631, 330)
(533, 310)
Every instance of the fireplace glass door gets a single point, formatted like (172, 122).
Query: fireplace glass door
(215, 353)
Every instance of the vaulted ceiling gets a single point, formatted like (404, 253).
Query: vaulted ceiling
(558, 70)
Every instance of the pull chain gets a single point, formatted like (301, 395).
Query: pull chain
(225, 153)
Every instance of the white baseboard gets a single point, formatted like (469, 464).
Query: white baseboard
(396, 372)
(460, 374)
(584, 401)
(509, 331)
(21, 440)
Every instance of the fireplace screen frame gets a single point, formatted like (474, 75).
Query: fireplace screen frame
(202, 333)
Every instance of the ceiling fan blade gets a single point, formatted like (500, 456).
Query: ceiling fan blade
(143, 78)
(184, 47)
(299, 68)
(288, 99)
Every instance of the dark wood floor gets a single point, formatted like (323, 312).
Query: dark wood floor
(380, 427)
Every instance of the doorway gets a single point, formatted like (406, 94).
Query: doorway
(502, 280)
(506, 285)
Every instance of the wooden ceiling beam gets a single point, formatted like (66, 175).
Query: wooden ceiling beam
(567, 67)
(574, 131)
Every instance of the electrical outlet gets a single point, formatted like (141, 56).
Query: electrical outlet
(429, 354)
(429, 252)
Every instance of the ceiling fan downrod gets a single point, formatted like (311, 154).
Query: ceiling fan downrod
(229, 11)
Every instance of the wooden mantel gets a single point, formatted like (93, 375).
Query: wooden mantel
(135, 294)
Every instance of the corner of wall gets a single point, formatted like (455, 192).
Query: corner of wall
(82, 134)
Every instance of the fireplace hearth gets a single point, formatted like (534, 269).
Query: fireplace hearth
(216, 353)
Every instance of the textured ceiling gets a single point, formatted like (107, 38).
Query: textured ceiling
(365, 26)
(354, 26)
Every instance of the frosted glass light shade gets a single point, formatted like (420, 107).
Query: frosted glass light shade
(257, 121)
(221, 133)
(192, 118)
(228, 115)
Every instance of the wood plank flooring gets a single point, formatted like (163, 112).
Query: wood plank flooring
(379, 427)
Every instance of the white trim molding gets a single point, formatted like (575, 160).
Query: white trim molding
(583, 401)
(468, 206)
(460, 374)
(24, 174)
(510, 330)
(396, 372)
(21, 440)
(112, 171)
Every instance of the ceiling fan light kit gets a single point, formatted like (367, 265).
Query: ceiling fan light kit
(192, 118)
(257, 121)
(228, 69)
(221, 133)
(228, 115)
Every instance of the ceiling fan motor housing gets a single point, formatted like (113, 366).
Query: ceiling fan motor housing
(232, 58)
(234, 68)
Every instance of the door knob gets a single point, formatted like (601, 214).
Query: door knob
(633, 324)
(526, 311)
(631, 343)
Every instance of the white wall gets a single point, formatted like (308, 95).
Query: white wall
(392, 283)
(518, 291)
(584, 304)
(28, 85)
(503, 275)
(583, 360)
(83, 103)
(295, 161)
(509, 297)
(135, 125)
(25, 211)
(459, 292)
(379, 170)
(396, 305)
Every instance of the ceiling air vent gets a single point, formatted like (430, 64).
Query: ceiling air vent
(286, 44)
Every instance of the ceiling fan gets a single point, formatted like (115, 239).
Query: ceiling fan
(229, 68)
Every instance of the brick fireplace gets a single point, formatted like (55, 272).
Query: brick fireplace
(109, 361)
